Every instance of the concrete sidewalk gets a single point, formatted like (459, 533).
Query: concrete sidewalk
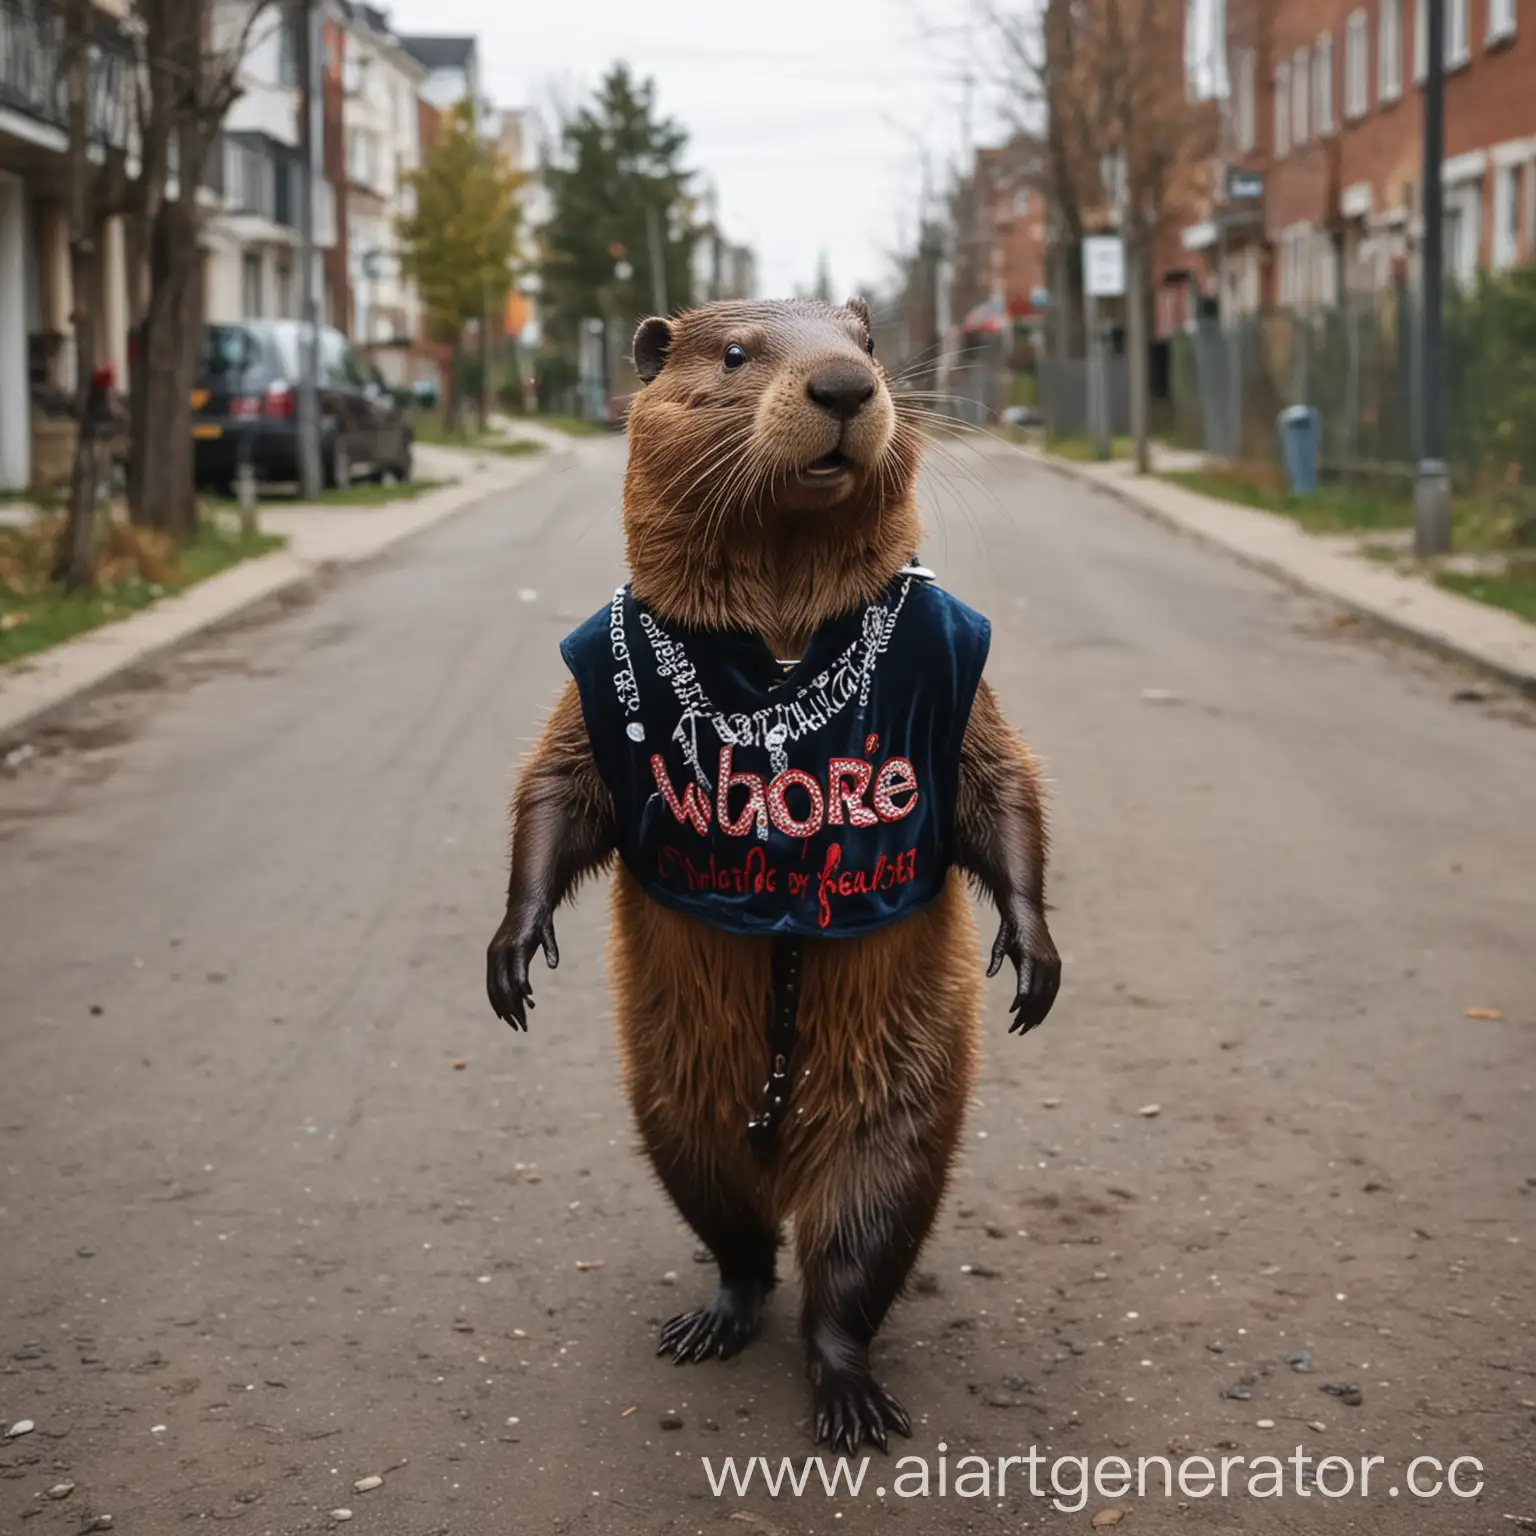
(1493, 639)
(318, 537)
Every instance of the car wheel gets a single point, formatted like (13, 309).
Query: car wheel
(338, 465)
(403, 465)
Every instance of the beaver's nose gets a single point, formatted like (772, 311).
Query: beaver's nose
(842, 390)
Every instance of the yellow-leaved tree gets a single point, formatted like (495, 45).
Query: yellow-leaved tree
(460, 243)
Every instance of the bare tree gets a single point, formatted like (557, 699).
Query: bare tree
(188, 80)
(1127, 145)
(1164, 136)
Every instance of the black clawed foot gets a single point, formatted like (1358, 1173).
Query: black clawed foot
(722, 1327)
(851, 1407)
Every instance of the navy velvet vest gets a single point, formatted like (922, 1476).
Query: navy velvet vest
(817, 801)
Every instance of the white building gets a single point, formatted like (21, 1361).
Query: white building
(251, 237)
(37, 366)
(381, 81)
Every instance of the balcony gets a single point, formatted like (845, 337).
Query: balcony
(261, 182)
(32, 77)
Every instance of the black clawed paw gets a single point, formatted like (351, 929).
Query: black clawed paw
(850, 1409)
(722, 1327)
(507, 961)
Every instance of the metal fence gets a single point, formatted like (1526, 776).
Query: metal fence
(1064, 395)
(1360, 366)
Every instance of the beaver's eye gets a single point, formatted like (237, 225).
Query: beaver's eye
(734, 357)
(869, 345)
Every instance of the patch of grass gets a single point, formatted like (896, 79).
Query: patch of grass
(1515, 589)
(1479, 524)
(572, 426)
(1332, 508)
(1081, 451)
(373, 493)
(362, 493)
(1024, 390)
(429, 427)
(134, 568)
(516, 449)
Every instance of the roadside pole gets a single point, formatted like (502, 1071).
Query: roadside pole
(1103, 278)
(305, 18)
(658, 260)
(1095, 385)
(1432, 488)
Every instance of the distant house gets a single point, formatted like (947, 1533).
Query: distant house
(452, 69)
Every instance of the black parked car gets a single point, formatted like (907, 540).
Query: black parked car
(248, 387)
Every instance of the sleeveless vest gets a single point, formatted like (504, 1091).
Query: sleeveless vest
(816, 802)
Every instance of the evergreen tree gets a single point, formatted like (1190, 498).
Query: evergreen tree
(618, 189)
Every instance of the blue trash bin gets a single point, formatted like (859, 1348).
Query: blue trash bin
(1298, 447)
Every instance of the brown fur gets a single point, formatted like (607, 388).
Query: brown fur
(720, 534)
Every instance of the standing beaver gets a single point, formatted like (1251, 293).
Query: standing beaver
(793, 835)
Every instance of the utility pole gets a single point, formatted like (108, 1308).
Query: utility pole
(658, 259)
(303, 19)
(1432, 489)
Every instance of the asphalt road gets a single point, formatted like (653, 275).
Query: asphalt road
(285, 1207)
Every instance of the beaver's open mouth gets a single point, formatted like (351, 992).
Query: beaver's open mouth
(829, 467)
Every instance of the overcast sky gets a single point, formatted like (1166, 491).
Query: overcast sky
(807, 115)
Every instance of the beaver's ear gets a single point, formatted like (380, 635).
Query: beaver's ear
(652, 341)
(861, 309)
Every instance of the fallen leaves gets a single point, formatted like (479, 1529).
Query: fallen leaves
(1484, 1013)
(1109, 1517)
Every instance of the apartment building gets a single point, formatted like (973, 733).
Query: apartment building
(380, 82)
(997, 271)
(252, 191)
(1323, 155)
(37, 363)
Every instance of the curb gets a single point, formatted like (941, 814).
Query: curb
(1446, 646)
(37, 687)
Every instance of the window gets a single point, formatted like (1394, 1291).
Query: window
(1301, 73)
(1021, 203)
(250, 285)
(1244, 113)
(1282, 109)
(1357, 65)
(1501, 20)
(1506, 216)
(226, 352)
(362, 157)
(1389, 47)
(283, 291)
(1458, 49)
(1322, 84)
(333, 360)
(1463, 232)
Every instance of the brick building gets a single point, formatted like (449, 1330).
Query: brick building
(1321, 168)
(998, 266)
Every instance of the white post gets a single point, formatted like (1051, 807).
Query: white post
(15, 397)
(112, 339)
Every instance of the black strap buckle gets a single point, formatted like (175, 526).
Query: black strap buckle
(783, 1013)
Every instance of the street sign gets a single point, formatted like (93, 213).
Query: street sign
(1104, 266)
(1245, 186)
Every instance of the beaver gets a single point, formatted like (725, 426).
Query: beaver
(820, 931)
